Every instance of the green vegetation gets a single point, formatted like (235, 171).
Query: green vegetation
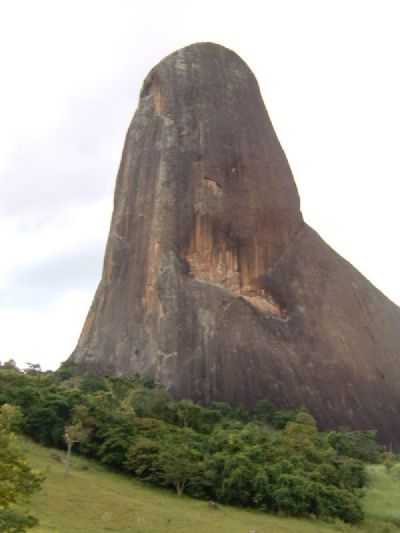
(93, 499)
(382, 499)
(17, 479)
(274, 461)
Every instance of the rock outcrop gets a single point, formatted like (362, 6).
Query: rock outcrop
(213, 283)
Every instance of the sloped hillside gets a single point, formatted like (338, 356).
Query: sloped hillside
(93, 499)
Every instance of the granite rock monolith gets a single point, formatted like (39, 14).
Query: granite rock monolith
(213, 284)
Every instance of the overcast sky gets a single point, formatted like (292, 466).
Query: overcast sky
(71, 72)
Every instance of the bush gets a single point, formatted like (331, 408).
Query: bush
(14, 522)
(17, 479)
(361, 445)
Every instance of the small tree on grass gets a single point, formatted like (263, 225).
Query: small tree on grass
(75, 433)
(179, 461)
(389, 460)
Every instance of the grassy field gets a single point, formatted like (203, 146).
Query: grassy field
(383, 497)
(93, 500)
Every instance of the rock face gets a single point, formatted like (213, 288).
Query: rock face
(213, 283)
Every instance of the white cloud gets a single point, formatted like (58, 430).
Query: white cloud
(66, 233)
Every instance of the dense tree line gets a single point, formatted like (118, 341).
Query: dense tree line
(273, 460)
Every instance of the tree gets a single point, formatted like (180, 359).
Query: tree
(187, 413)
(47, 413)
(17, 479)
(179, 461)
(143, 460)
(33, 368)
(76, 432)
(360, 445)
(389, 460)
(10, 364)
(11, 417)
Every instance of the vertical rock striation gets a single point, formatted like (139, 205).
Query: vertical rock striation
(212, 282)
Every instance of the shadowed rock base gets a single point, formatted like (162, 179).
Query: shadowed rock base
(212, 282)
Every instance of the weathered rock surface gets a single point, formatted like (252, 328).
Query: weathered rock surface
(213, 283)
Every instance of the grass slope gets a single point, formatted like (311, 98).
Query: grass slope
(382, 500)
(93, 499)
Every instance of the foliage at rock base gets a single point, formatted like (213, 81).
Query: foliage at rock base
(272, 460)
